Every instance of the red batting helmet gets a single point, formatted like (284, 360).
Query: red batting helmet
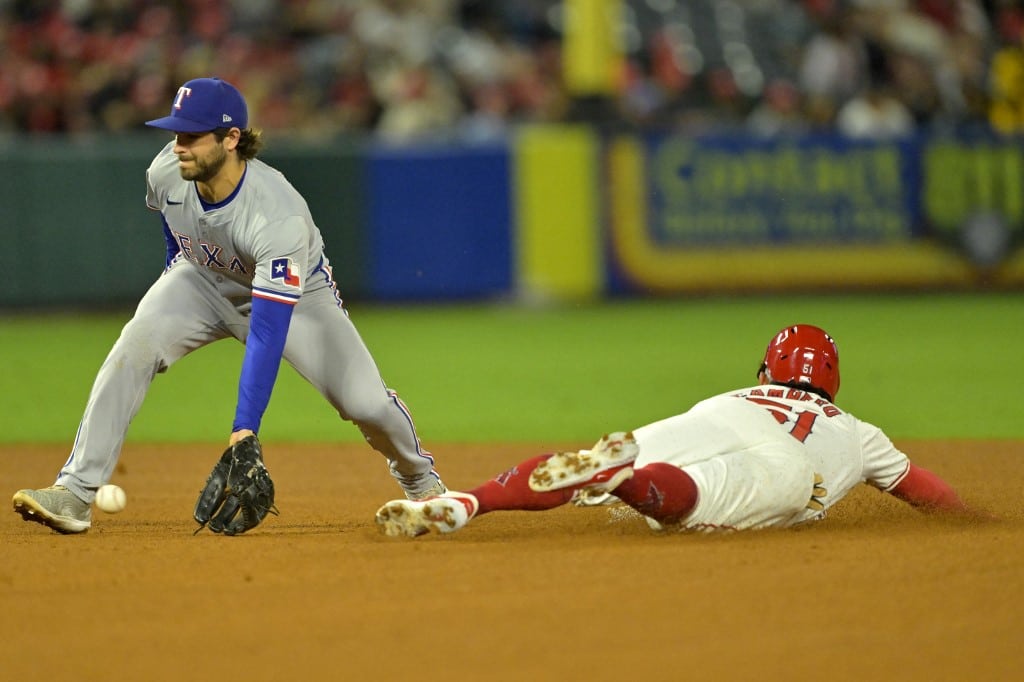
(803, 354)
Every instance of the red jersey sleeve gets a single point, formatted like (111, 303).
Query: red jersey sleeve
(925, 490)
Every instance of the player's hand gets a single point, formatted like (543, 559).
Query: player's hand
(239, 435)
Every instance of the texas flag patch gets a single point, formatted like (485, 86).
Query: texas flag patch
(284, 270)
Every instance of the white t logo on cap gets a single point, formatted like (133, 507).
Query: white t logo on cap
(183, 92)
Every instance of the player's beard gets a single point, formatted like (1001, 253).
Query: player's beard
(207, 168)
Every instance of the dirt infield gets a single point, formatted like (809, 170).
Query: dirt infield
(876, 592)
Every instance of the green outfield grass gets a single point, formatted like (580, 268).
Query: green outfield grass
(920, 366)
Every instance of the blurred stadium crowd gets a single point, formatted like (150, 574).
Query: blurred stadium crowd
(407, 69)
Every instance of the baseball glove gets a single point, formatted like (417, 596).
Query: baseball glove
(239, 493)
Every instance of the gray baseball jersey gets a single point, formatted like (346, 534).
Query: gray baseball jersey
(265, 222)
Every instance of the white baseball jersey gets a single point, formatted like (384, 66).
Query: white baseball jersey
(755, 453)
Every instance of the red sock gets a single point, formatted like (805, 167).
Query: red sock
(662, 491)
(511, 491)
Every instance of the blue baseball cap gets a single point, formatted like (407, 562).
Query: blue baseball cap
(203, 104)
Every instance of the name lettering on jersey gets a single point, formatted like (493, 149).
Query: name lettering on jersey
(285, 270)
(185, 242)
(787, 393)
(212, 254)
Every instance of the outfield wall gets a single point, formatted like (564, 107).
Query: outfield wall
(555, 212)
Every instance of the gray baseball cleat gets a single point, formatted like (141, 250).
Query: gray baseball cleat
(436, 488)
(55, 507)
(412, 518)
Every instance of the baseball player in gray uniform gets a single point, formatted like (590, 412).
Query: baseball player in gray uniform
(244, 260)
(772, 455)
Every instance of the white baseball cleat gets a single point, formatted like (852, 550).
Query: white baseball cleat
(598, 470)
(411, 518)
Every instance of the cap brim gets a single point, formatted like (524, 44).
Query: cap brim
(176, 124)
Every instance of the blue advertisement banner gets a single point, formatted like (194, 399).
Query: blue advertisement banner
(739, 213)
(716, 191)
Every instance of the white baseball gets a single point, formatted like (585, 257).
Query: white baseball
(111, 498)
